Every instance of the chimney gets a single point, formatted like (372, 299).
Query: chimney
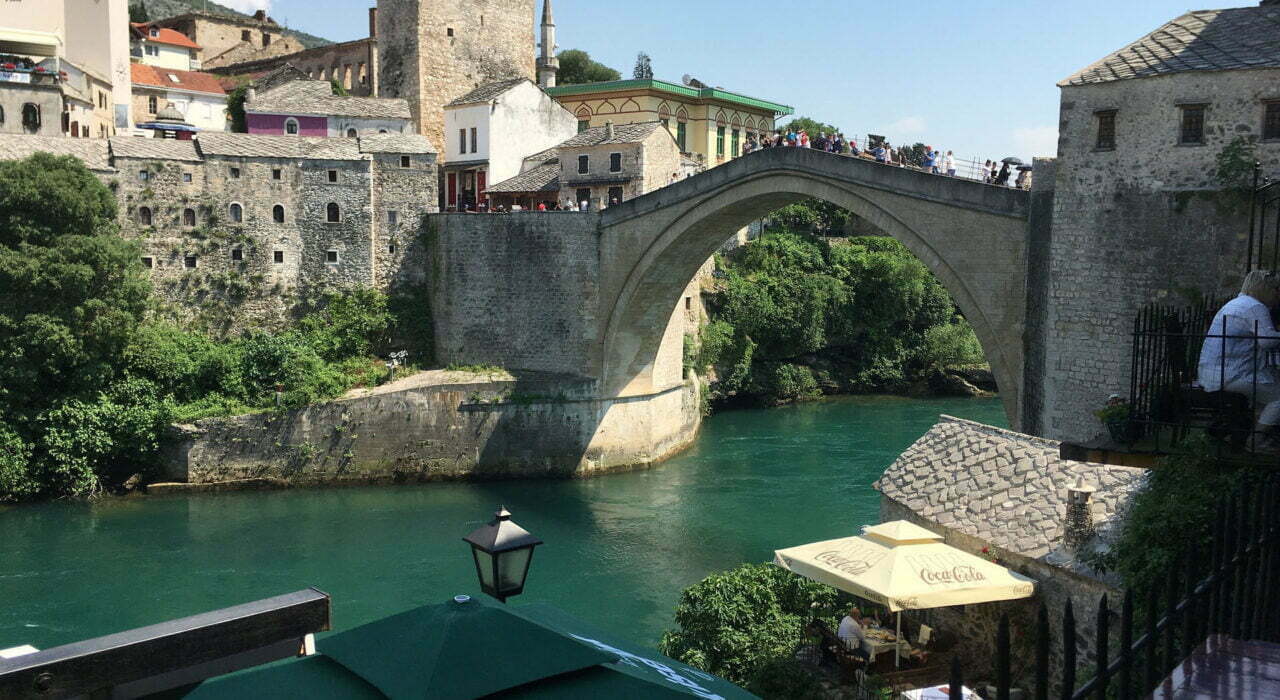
(608, 131)
(260, 15)
(373, 23)
(1077, 530)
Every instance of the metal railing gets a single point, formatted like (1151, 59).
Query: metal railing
(1228, 591)
(1264, 206)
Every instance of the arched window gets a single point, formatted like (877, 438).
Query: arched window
(75, 130)
(291, 126)
(351, 133)
(144, 216)
(237, 212)
(31, 118)
(152, 105)
(277, 213)
(382, 131)
(334, 214)
(1, 114)
(188, 217)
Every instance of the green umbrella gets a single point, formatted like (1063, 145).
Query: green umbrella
(470, 649)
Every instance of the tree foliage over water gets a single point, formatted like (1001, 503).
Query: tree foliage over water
(89, 377)
(798, 315)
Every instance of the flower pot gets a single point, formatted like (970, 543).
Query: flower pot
(1121, 430)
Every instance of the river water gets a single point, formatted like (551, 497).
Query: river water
(619, 549)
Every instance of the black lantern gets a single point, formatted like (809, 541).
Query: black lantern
(503, 551)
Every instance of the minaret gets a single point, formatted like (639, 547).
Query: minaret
(548, 64)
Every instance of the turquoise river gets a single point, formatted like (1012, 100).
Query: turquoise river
(619, 549)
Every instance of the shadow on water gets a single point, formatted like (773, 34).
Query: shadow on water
(619, 549)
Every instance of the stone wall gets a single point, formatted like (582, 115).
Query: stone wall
(48, 98)
(222, 42)
(1137, 224)
(431, 53)
(438, 426)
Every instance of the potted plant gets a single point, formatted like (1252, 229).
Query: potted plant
(1115, 415)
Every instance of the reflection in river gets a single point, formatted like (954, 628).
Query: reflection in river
(619, 549)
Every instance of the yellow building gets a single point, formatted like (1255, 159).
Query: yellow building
(709, 124)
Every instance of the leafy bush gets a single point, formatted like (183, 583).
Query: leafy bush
(16, 480)
(786, 382)
(951, 344)
(737, 623)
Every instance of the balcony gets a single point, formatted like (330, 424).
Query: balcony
(16, 69)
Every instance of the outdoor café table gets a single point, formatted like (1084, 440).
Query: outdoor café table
(937, 692)
(877, 641)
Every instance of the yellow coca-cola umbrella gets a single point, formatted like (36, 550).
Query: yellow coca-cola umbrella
(904, 567)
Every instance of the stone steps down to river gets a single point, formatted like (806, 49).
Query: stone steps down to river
(433, 426)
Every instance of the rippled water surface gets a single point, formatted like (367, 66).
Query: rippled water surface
(619, 549)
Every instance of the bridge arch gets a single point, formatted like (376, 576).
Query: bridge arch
(970, 235)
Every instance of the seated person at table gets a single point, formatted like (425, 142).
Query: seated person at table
(851, 632)
(1228, 364)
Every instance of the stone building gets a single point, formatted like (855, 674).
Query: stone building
(197, 96)
(431, 53)
(1137, 209)
(602, 165)
(492, 130)
(227, 40)
(710, 124)
(309, 108)
(237, 229)
(1007, 496)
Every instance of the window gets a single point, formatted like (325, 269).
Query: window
(583, 125)
(734, 142)
(277, 213)
(1106, 131)
(143, 175)
(720, 141)
(245, 35)
(144, 216)
(333, 176)
(275, 173)
(688, 303)
(30, 118)
(186, 177)
(331, 257)
(615, 195)
(682, 133)
(383, 131)
(462, 140)
(615, 162)
(152, 105)
(584, 164)
(148, 263)
(1, 114)
(351, 133)
(266, 40)
(449, 31)
(237, 254)
(189, 262)
(277, 256)
(291, 126)
(235, 173)
(1192, 131)
(152, 50)
(333, 213)
(393, 217)
(153, 32)
(405, 161)
(473, 139)
(188, 217)
(1270, 120)
(391, 248)
(236, 211)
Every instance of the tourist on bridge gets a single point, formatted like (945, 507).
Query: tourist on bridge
(880, 152)
(949, 164)
(930, 159)
(1003, 178)
(1236, 362)
(986, 171)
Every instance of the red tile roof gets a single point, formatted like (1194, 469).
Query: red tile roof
(166, 36)
(153, 76)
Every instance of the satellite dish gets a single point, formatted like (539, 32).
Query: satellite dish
(686, 79)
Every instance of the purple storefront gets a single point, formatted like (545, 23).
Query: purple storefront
(285, 124)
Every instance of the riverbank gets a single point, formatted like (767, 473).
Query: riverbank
(619, 550)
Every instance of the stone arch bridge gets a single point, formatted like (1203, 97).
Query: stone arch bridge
(971, 235)
(595, 297)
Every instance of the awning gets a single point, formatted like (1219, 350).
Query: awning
(904, 567)
(28, 43)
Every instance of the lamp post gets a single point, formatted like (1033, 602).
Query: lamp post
(502, 551)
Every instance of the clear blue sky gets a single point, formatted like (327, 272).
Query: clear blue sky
(975, 77)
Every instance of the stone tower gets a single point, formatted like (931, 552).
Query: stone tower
(431, 52)
(548, 64)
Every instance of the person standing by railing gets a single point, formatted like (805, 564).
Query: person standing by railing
(949, 164)
(1233, 357)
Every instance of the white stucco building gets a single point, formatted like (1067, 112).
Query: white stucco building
(197, 96)
(162, 48)
(489, 132)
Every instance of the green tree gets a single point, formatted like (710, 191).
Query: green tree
(812, 126)
(644, 67)
(337, 88)
(138, 12)
(235, 109)
(577, 67)
(738, 624)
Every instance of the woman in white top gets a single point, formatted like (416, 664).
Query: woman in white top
(949, 164)
(986, 171)
(1236, 362)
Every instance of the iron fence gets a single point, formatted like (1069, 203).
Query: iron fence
(1264, 209)
(1228, 591)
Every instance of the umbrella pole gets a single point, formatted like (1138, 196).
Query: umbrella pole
(897, 644)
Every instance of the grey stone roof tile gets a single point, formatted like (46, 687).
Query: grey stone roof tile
(395, 143)
(315, 97)
(544, 178)
(1231, 39)
(487, 92)
(166, 149)
(622, 133)
(93, 153)
(263, 146)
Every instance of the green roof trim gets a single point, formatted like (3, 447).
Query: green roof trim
(673, 88)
